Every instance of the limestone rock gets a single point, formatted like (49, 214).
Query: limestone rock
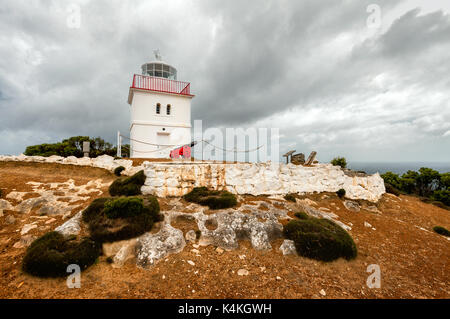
(27, 205)
(288, 247)
(150, 248)
(243, 272)
(5, 205)
(10, 219)
(233, 226)
(366, 224)
(259, 179)
(25, 241)
(26, 228)
(318, 214)
(191, 236)
(121, 251)
(72, 226)
(352, 206)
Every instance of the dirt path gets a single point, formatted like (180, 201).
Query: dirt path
(414, 261)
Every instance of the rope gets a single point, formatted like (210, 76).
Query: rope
(175, 146)
(233, 150)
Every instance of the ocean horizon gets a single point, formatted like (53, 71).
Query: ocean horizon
(397, 167)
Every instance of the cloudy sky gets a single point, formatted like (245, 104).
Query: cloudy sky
(325, 72)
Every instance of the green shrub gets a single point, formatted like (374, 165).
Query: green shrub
(441, 231)
(211, 198)
(290, 197)
(301, 215)
(339, 161)
(94, 209)
(442, 196)
(123, 207)
(121, 218)
(391, 179)
(73, 146)
(128, 186)
(320, 239)
(391, 189)
(341, 193)
(49, 255)
(118, 170)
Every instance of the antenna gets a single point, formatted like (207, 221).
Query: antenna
(157, 55)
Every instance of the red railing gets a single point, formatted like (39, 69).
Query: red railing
(151, 83)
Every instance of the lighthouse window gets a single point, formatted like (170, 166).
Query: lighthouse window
(168, 109)
(158, 108)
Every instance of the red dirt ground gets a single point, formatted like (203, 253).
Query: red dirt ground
(414, 260)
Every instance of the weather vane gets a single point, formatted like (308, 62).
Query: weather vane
(157, 55)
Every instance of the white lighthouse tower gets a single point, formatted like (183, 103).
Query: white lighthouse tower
(160, 111)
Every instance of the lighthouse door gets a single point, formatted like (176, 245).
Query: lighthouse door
(163, 139)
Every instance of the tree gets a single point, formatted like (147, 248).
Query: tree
(408, 182)
(73, 146)
(392, 179)
(339, 161)
(427, 181)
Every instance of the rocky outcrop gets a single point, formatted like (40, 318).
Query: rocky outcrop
(103, 161)
(173, 179)
(54, 198)
(72, 226)
(150, 248)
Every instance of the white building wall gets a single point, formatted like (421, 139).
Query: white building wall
(162, 129)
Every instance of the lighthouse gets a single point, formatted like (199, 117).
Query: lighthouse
(160, 108)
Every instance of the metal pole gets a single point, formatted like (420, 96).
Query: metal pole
(119, 146)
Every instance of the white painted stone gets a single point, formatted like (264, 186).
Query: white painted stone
(258, 179)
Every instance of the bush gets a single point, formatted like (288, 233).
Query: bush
(339, 161)
(118, 170)
(113, 219)
(320, 239)
(341, 193)
(391, 189)
(391, 179)
(73, 146)
(301, 215)
(123, 207)
(212, 199)
(442, 196)
(290, 197)
(128, 186)
(442, 231)
(49, 255)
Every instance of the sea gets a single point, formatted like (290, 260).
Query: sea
(397, 167)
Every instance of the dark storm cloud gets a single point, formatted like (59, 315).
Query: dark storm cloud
(312, 68)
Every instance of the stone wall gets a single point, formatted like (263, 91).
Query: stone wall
(173, 179)
(176, 179)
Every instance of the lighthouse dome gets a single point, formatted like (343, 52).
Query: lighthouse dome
(159, 69)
